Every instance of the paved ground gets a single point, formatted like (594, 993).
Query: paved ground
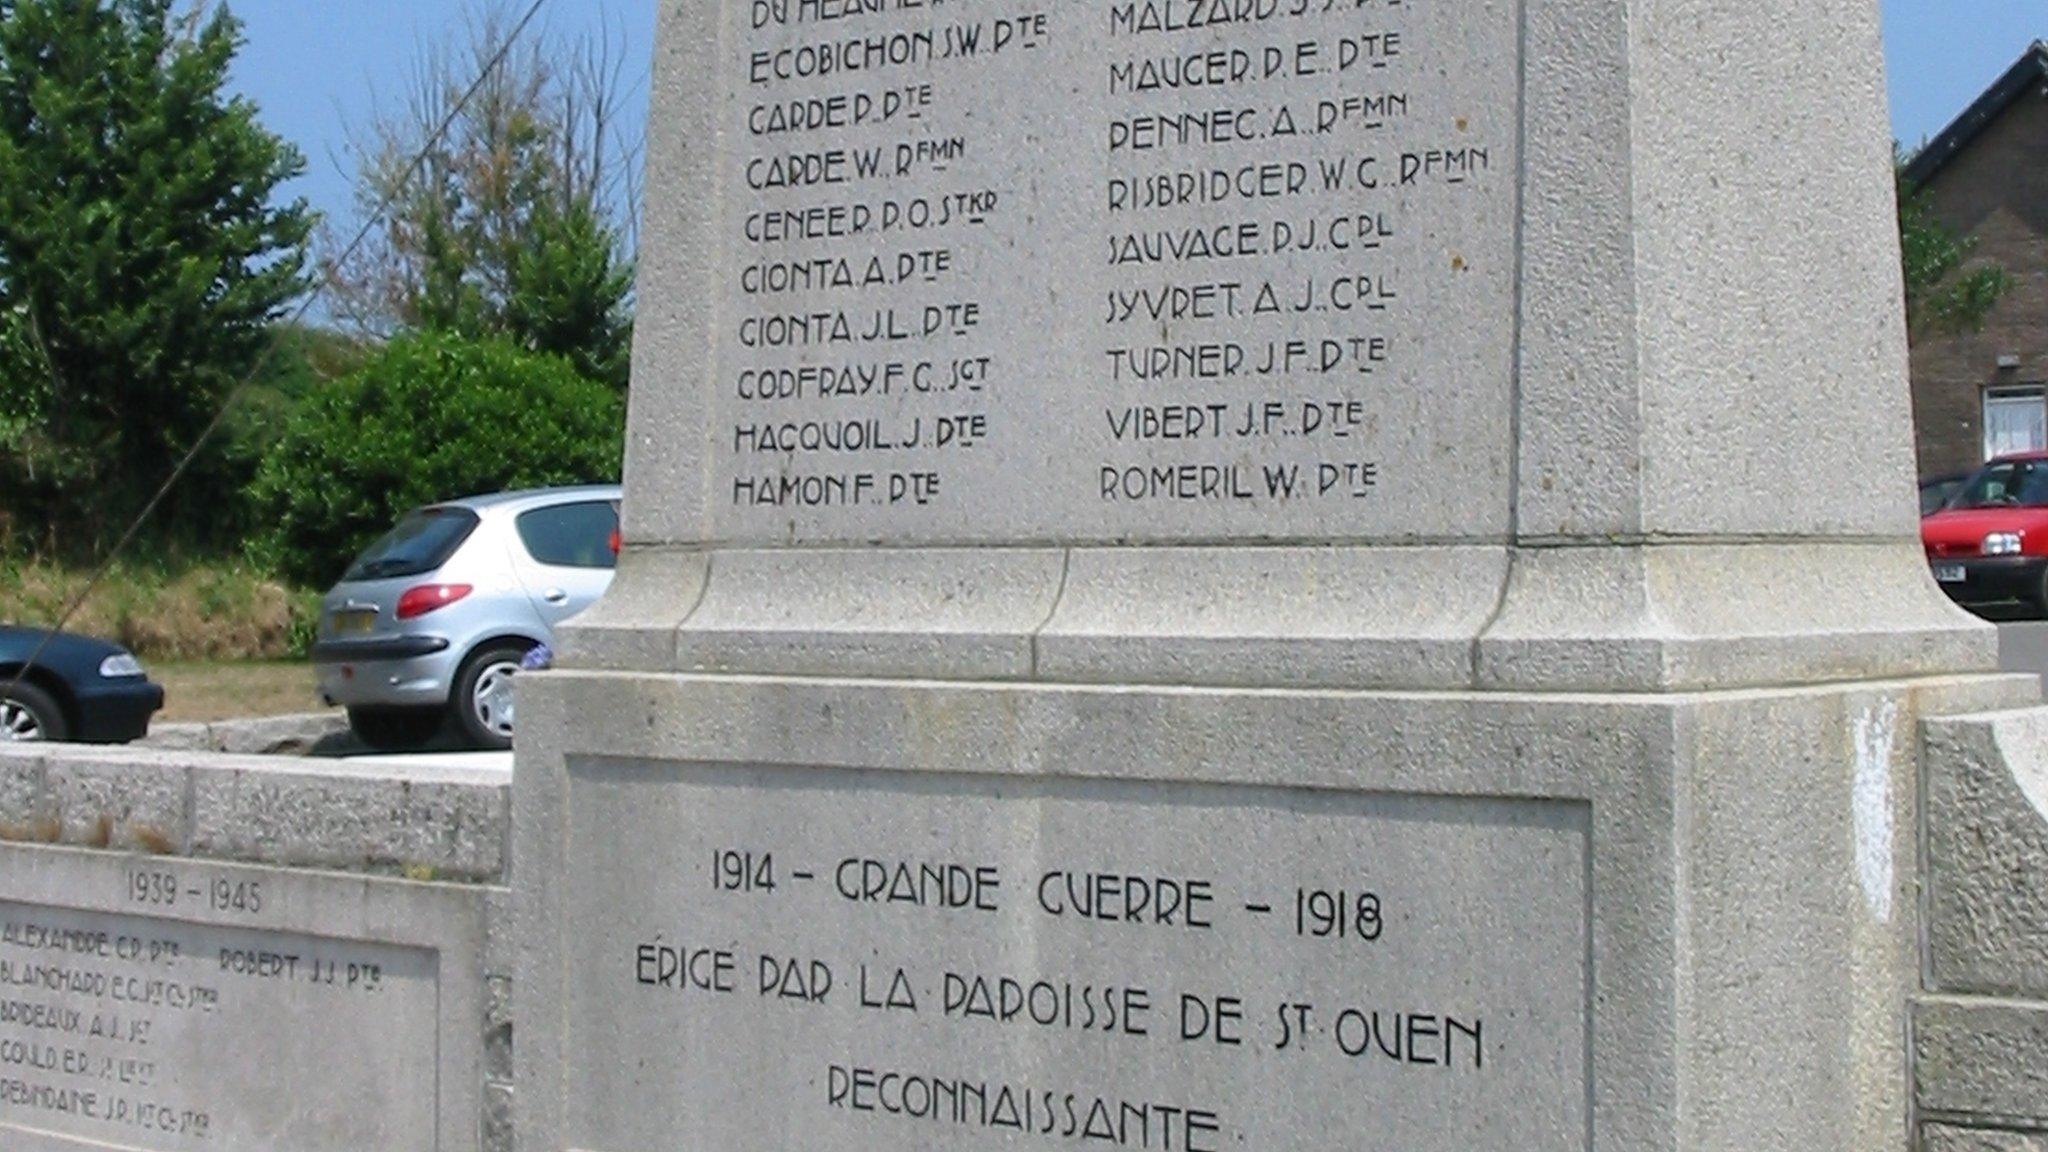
(324, 735)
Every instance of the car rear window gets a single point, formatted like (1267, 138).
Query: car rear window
(571, 535)
(423, 541)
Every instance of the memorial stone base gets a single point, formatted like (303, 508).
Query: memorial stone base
(940, 916)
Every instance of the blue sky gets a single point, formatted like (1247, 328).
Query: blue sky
(314, 66)
(317, 68)
(1943, 53)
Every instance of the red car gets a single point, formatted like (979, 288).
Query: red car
(1989, 544)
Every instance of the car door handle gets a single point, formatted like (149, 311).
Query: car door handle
(555, 596)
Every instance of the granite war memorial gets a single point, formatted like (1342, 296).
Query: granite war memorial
(1249, 574)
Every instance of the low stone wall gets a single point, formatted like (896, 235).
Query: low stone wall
(207, 950)
(1981, 1028)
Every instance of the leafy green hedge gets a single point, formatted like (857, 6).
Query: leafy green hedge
(432, 417)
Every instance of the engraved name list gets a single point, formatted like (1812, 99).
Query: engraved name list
(1176, 269)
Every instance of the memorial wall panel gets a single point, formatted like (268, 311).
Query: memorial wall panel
(1150, 271)
(833, 959)
(177, 1005)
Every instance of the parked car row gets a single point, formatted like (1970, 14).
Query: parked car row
(422, 636)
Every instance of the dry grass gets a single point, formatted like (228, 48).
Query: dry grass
(205, 692)
(214, 611)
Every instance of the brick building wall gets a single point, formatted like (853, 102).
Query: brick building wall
(1995, 191)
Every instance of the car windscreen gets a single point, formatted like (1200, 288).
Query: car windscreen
(422, 542)
(2006, 484)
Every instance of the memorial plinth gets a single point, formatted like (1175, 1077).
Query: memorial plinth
(1248, 575)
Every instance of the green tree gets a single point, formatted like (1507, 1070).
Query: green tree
(516, 221)
(430, 417)
(24, 397)
(24, 385)
(1947, 292)
(141, 249)
(302, 360)
(570, 293)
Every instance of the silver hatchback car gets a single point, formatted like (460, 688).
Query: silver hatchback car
(431, 622)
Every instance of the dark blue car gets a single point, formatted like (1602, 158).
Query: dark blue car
(72, 688)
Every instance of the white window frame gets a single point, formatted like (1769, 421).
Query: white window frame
(2015, 420)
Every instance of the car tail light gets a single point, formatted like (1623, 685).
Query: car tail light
(617, 541)
(414, 603)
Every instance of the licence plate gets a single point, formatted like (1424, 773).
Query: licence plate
(353, 623)
(1951, 573)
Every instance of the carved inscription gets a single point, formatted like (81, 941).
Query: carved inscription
(1169, 268)
(147, 1032)
(894, 963)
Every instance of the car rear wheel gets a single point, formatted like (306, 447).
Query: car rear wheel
(29, 715)
(394, 729)
(483, 693)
